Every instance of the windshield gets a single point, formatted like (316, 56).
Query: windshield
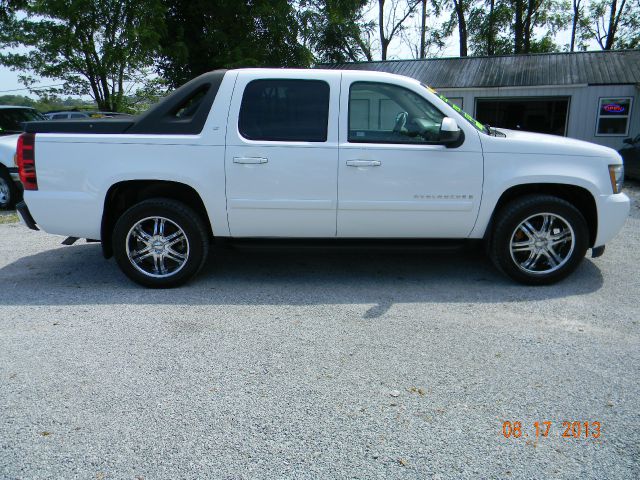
(11, 119)
(476, 124)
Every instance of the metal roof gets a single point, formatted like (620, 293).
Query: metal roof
(595, 68)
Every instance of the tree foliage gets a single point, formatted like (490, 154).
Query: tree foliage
(94, 47)
(203, 35)
(125, 53)
(614, 23)
(336, 30)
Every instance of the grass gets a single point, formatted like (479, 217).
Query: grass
(9, 218)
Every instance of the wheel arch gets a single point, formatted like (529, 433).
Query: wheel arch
(123, 195)
(578, 196)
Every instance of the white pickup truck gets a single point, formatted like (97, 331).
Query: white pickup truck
(316, 154)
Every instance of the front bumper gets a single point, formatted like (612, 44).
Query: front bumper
(25, 216)
(613, 211)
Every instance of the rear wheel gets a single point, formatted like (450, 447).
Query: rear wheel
(539, 239)
(160, 243)
(7, 190)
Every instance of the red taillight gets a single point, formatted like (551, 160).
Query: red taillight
(26, 159)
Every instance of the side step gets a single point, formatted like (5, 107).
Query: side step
(69, 241)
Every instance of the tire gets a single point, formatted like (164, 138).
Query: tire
(544, 250)
(8, 190)
(160, 243)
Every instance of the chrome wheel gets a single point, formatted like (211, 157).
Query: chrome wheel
(542, 243)
(157, 247)
(5, 192)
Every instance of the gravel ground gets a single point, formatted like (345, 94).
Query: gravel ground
(315, 364)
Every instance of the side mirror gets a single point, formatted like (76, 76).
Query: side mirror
(628, 141)
(450, 133)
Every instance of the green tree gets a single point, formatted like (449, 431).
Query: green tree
(614, 23)
(204, 35)
(499, 27)
(100, 48)
(335, 30)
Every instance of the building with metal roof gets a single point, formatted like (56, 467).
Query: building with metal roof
(586, 95)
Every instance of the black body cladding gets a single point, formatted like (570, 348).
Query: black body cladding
(184, 112)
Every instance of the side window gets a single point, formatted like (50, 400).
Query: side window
(285, 110)
(190, 105)
(384, 113)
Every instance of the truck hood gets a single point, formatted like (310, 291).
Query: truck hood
(517, 141)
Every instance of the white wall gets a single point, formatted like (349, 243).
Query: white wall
(583, 106)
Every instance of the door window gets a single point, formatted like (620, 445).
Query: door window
(384, 113)
(285, 110)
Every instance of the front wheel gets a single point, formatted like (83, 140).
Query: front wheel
(539, 239)
(160, 243)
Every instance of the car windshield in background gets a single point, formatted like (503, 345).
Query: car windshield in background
(11, 119)
(479, 126)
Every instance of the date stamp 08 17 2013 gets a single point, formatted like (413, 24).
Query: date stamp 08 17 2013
(543, 429)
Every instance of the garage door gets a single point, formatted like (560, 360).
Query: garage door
(543, 115)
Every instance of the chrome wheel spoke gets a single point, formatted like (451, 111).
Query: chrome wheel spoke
(553, 257)
(140, 234)
(547, 221)
(175, 256)
(528, 230)
(522, 246)
(140, 255)
(175, 238)
(158, 227)
(532, 260)
(563, 237)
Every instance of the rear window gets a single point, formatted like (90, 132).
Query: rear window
(285, 110)
(11, 119)
(191, 104)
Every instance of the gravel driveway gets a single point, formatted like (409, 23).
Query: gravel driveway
(315, 364)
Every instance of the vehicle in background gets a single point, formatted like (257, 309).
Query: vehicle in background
(12, 120)
(79, 115)
(630, 154)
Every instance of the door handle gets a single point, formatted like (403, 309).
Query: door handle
(364, 163)
(250, 160)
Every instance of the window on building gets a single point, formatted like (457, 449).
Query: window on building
(613, 116)
(542, 115)
(285, 110)
(385, 113)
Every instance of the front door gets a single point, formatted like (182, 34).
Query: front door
(394, 179)
(281, 158)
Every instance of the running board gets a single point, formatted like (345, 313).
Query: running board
(69, 241)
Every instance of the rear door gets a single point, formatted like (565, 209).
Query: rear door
(281, 158)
